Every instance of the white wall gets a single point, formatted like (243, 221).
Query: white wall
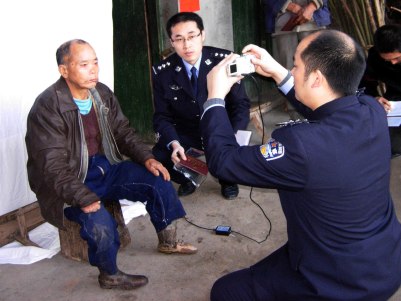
(217, 19)
(30, 33)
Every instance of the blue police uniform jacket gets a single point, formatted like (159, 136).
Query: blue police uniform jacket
(332, 176)
(177, 111)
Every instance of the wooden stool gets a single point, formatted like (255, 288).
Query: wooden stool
(74, 247)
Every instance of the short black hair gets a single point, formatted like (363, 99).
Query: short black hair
(64, 50)
(340, 59)
(183, 17)
(387, 38)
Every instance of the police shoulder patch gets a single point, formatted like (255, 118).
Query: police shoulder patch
(272, 150)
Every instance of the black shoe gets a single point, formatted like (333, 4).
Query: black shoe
(229, 191)
(186, 189)
(121, 281)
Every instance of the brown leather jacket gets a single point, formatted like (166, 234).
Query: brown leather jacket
(57, 152)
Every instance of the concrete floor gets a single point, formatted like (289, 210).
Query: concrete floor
(173, 277)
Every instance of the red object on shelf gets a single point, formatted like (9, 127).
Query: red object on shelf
(188, 5)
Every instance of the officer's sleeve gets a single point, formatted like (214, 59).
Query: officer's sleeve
(238, 105)
(281, 163)
(163, 119)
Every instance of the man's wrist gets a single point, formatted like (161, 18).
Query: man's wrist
(171, 144)
(285, 79)
(311, 7)
(214, 101)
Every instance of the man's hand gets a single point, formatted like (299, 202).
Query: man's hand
(155, 167)
(265, 64)
(95, 206)
(385, 103)
(306, 13)
(294, 8)
(218, 82)
(178, 152)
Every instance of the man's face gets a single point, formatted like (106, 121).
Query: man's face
(187, 40)
(392, 57)
(81, 69)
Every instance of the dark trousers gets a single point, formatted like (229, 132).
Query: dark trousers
(271, 279)
(236, 286)
(126, 180)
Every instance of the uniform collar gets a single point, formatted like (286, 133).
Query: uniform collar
(335, 105)
(188, 67)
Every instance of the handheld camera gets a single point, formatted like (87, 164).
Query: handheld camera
(241, 66)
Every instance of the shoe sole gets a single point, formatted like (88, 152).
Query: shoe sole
(121, 286)
(188, 252)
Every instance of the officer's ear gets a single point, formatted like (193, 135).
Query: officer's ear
(317, 78)
(203, 36)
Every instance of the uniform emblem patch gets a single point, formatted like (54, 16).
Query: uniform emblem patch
(272, 150)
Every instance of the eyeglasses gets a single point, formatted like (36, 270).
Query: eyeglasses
(181, 41)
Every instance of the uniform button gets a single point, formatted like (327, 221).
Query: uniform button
(197, 115)
(193, 101)
(175, 98)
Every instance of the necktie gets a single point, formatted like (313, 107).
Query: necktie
(194, 81)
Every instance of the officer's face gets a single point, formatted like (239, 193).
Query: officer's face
(392, 57)
(187, 40)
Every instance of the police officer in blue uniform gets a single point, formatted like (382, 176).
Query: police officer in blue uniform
(331, 172)
(179, 89)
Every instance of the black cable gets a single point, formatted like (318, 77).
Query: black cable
(239, 233)
(260, 107)
(250, 193)
(267, 218)
(193, 224)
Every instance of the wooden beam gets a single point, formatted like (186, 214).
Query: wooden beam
(16, 224)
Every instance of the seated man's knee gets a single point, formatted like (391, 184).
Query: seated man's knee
(101, 228)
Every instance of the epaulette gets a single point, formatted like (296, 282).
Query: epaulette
(294, 122)
(162, 66)
(216, 53)
(360, 92)
(220, 54)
